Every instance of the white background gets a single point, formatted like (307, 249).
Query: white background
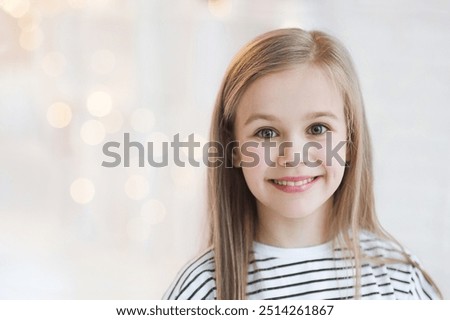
(161, 62)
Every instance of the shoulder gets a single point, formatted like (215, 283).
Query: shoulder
(195, 281)
(403, 269)
(376, 246)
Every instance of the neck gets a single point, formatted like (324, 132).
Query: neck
(286, 232)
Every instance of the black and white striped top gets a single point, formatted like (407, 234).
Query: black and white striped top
(318, 272)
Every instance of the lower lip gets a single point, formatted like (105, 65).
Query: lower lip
(294, 189)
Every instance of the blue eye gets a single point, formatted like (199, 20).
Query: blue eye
(266, 133)
(318, 129)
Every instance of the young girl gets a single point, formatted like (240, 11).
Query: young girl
(292, 211)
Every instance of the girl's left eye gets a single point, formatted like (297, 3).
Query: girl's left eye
(266, 133)
(318, 129)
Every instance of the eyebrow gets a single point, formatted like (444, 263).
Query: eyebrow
(319, 114)
(259, 116)
(310, 116)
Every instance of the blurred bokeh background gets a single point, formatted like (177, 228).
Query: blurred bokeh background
(75, 74)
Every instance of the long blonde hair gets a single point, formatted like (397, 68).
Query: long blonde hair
(232, 207)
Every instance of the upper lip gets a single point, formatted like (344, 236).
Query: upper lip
(292, 178)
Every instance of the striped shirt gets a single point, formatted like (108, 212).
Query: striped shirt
(318, 272)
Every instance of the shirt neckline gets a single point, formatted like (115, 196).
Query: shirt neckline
(273, 251)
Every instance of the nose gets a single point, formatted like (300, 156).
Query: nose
(289, 154)
(299, 152)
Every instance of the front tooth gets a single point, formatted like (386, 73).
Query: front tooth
(293, 183)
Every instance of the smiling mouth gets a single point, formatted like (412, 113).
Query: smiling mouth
(293, 183)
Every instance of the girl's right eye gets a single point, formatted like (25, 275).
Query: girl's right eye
(266, 133)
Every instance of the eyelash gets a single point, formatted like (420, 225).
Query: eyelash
(259, 133)
(325, 129)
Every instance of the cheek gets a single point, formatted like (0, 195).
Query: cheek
(254, 156)
(334, 152)
(334, 158)
(253, 167)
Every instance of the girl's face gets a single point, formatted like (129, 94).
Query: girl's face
(292, 131)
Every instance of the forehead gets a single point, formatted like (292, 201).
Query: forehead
(291, 93)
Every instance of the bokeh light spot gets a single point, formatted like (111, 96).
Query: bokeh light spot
(59, 115)
(99, 103)
(219, 8)
(92, 132)
(31, 39)
(82, 190)
(16, 8)
(29, 21)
